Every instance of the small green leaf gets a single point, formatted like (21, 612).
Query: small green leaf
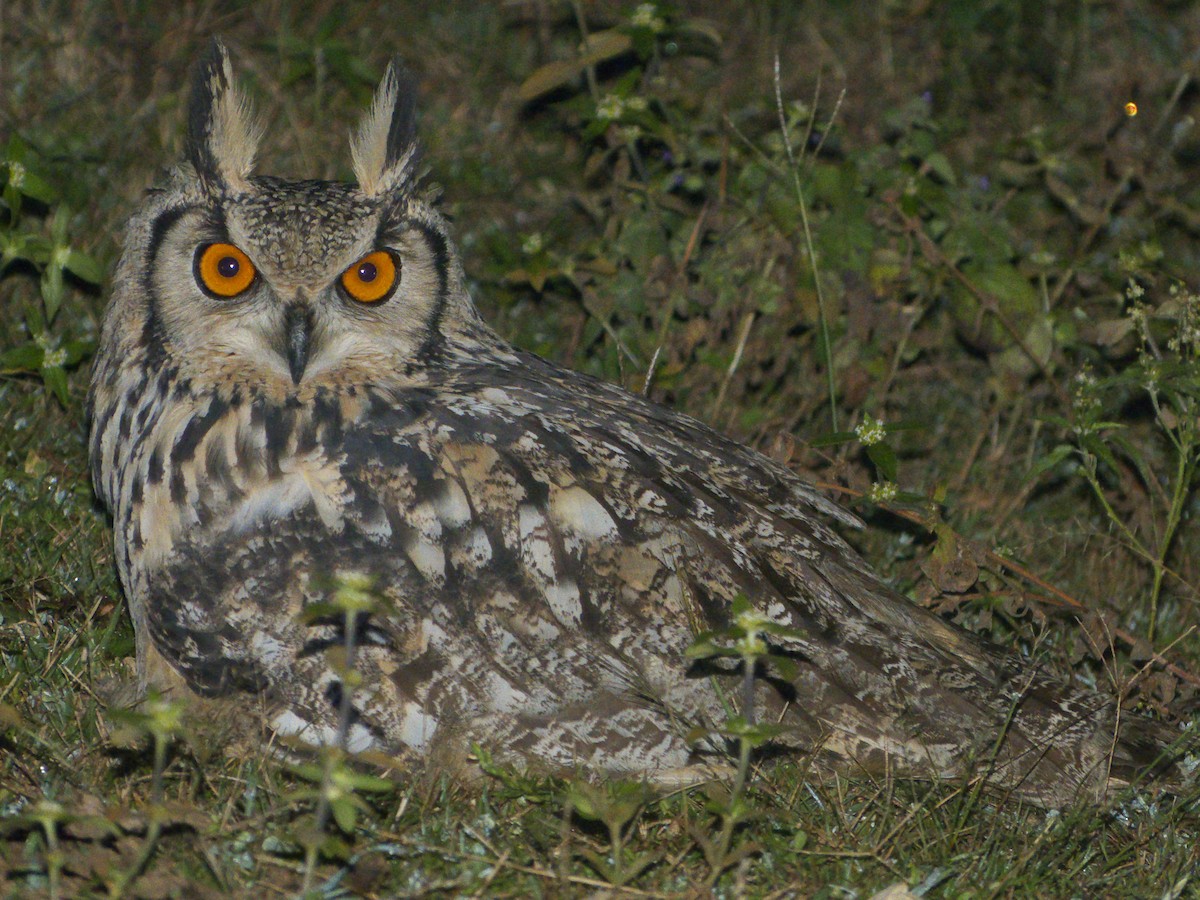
(52, 291)
(884, 458)
(317, 612)
(833, 438)
(84, 267)
(345, 813)
(600, 863)
(19, 178)
(308, 771)
(78, 350)
(581, 796)
(26, 358)
(1096, 446)
(360, 781)
(940, 166)
(705, 646)
(786, 667)
(56, 379)
(1050, 460)
(640, 863)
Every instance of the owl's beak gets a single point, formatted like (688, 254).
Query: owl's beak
(298, 327)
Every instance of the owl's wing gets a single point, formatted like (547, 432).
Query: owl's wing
(585, 536)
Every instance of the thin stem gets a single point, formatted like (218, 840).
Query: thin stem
(332, 756)
(54, 859)
(1089, 471)
(748, 690)
(822, 314)
(1184, 471)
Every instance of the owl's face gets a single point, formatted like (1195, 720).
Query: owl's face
(288, 286)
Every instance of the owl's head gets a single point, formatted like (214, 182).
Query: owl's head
(288, 285)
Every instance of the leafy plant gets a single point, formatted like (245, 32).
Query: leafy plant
(616, 805)
(743, 640)
(871, 435)
(161, 719)
(336, 784)
(27, 245)
(1166, 373)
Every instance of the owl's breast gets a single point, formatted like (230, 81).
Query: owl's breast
(230, 465)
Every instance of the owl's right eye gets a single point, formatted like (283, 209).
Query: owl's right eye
(223, 271)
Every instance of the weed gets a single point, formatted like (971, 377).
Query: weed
(961, 247)
(1167, 374)
(24, 246)
(335, 781)
(743, 640)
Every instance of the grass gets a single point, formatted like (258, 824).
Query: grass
(947, 232)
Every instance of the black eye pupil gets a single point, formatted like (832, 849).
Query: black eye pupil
(367, 272)
(228, 267)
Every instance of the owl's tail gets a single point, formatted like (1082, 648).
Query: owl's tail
(1151, 754)
(1063, 746)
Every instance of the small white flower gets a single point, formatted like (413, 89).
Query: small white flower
(751, 645)
(60, 256)
(532, 243)
(1133, 290)
(610, 107)
(870, 431)
(16, 174)
(882, 492)
(646, 16)
(636, 104)
(54, 358)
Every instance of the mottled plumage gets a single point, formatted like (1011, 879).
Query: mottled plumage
(546, 546)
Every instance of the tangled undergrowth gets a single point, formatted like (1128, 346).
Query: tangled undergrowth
(941, 260)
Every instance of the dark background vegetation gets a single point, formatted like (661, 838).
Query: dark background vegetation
(952, 221)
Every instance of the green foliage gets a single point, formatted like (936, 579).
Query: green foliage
(323, 57)
(336, 783)
(1167, 374)
(616, 806)
(941, 259)
(745, 639)
(28, 246)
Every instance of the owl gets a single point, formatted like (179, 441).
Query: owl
(294, 388)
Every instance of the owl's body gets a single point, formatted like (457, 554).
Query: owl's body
(545, 547)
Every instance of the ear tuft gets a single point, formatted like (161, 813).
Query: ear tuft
(222, 132)
(384, 149)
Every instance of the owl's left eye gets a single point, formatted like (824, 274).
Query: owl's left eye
(223, 271)
(373, 278)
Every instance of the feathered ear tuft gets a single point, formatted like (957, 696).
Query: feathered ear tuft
(222, 132)
(384, 149)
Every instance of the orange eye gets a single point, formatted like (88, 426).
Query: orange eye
(373, 278)
(223, 270)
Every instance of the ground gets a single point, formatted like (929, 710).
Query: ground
(939, 257)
